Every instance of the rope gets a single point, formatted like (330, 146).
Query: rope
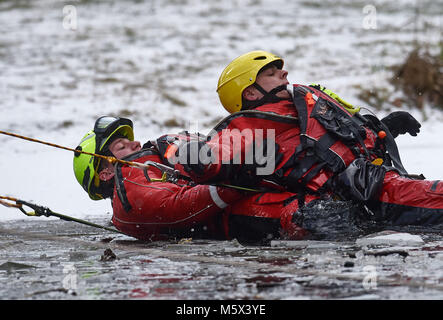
(108, 158)
(113, 160)
(43, 211)
(10, 205)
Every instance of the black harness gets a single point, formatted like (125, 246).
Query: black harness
(313, 155)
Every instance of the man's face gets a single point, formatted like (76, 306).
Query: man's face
(271, 78)
(121, 147)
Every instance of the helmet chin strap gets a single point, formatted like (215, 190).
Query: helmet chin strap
(268, 97)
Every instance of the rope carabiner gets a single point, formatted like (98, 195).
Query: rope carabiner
(38, 211)
(44, 211)
(168, 174)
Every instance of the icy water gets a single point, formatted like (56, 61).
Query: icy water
(53, 259)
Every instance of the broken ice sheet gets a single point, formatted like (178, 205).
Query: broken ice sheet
(390, 238)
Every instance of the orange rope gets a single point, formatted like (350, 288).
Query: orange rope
(110, 159)
(10, 205)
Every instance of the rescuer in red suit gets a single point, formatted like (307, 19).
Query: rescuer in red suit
(310, 145)
(147, 204)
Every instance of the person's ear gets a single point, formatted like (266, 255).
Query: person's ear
(250, 93)
(106, 174)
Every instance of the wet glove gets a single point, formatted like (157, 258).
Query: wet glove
(194, 156)
(401, 122)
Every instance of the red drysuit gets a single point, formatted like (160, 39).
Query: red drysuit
(152, 210)
(308, 158)
(316, 139)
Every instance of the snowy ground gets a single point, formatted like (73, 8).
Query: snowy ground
(158, 62)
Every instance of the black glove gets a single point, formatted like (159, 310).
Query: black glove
(194, 156)
(400, 122)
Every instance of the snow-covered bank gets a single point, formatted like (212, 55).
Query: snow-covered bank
(424, 153)
(158, 63)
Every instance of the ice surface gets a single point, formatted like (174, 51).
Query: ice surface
(400, 238)
(60, 260)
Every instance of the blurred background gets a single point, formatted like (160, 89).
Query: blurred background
(157, 62)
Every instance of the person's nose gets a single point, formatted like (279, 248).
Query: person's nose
(283, 74)
(135, 145)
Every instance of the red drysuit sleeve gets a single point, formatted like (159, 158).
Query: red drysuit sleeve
(156, 206)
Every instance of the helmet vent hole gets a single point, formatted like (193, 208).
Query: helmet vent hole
(77, 154)
(260, 58)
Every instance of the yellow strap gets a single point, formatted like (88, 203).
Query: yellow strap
(378, 161)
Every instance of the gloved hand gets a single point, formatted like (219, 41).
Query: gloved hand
(194, 156)
(400, 122)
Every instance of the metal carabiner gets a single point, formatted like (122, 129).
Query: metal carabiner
(168, 174)
(38, 210)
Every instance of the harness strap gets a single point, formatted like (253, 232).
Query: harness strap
(389, 142)
(268, 97)
(302, 166)
(119, 179)
(323, 151)
(320, 148)
(302, 110)
(391, 146)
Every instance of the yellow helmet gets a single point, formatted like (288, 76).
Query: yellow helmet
(240, 74)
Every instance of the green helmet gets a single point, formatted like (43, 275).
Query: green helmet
(97, 141)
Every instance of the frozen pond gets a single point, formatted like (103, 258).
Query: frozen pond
(53, 259)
